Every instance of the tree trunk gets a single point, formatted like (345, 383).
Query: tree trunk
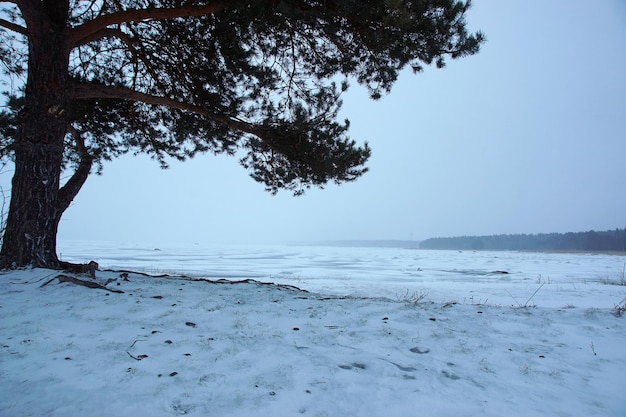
(34, 211)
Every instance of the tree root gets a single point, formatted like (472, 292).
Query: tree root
(88, 284)
(89, 268)
(124, 275)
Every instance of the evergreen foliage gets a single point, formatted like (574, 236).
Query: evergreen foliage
(172, 78)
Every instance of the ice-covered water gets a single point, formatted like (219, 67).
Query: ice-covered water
(500, 277)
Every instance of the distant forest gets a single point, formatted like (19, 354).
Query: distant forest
(591, 241)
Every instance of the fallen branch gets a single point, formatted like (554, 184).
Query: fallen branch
(88, 284)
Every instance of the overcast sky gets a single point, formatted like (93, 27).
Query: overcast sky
(528, 136)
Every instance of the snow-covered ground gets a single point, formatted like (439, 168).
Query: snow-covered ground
(378, 332)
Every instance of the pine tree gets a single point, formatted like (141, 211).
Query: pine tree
(172, 78)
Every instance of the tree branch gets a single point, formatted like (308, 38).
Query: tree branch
(31, 12)
(83, 33)
(109, 33)
(14, 27)
(86, 91)
(75, 183)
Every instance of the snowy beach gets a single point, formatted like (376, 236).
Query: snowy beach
(313, 330)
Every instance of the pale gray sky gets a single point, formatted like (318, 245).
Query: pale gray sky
(528, 136)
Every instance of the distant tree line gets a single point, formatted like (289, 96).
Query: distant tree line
(591, 241)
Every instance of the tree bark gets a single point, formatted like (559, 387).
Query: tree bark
(34, 211)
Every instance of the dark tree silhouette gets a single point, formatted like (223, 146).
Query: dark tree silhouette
(591, 241)
(172, 78)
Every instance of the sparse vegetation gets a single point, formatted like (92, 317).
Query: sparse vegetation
(542, 280)
(526, 304)
(620, 280)
(478, 301)
(413, 298)
(593, 348)
(620, 308)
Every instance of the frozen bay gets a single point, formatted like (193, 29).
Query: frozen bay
(498, 277)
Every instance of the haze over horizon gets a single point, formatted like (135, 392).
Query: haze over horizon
(528, 136)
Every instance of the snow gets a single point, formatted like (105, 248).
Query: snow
(373, 332)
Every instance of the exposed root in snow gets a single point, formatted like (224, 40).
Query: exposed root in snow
(88, 284)
(89, 268)
(125, 273)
